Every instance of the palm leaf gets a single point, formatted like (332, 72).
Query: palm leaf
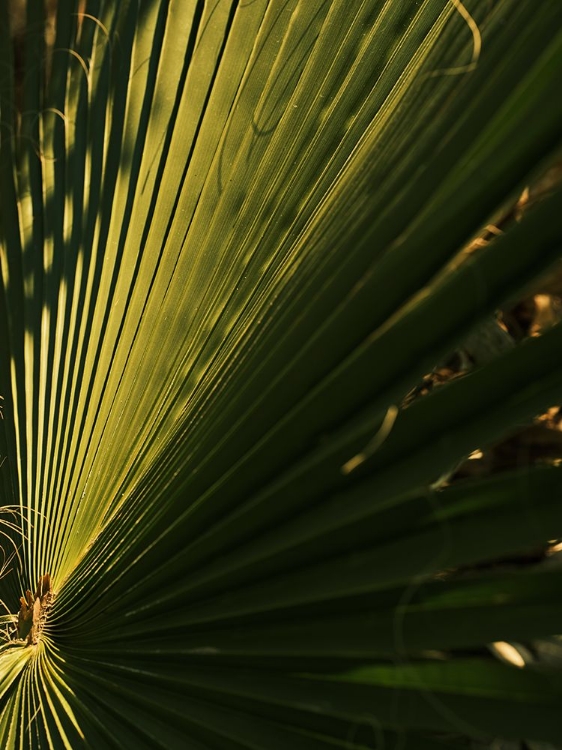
(234, 237)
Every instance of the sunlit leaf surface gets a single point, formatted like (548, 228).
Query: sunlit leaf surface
(234, 236)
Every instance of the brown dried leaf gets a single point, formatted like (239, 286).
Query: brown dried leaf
(32, 609)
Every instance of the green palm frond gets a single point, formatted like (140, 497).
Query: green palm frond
(234, 238)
